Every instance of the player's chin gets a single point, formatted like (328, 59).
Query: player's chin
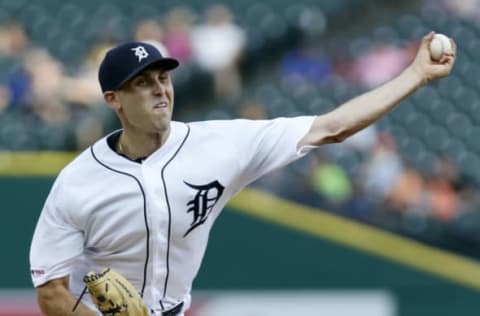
(161, 125)
(160, 116)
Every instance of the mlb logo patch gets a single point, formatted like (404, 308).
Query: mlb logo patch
(37, 272)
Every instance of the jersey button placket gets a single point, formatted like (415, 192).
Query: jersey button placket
(158, 218)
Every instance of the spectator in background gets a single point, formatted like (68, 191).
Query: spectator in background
(331, 183)
(381, 169)
(178, 28)
(14, 41)
(152, 32)
(84, 98)
(217, 47)
(149, 29)
(83, 91)
(307, 63)
(17, 89)
(380, 64)
(41, 79)
(442, 199)
(407, 196)
(14, 44)
(363, 142)
(469, 9)
(444, 203)
(5, 96)
(36, 91)
(252, 110)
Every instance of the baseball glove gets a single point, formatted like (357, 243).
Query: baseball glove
(114, 295)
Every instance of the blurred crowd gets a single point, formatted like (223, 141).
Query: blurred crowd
(379, 176)
(52, 94)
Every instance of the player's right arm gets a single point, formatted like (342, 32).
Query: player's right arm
(56, 245)
(360, 112)
(55, 299)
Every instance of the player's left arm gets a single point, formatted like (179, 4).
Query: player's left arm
(367, 108)
(54, 299)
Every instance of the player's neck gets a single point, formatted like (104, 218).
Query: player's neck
(137, 145)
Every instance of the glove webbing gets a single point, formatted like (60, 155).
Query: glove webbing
(86, 279)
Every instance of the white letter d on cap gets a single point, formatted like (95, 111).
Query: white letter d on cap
(140, 52)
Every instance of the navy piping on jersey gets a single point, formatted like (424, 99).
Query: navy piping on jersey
(111, 141)
(144, 214)
(169, 209)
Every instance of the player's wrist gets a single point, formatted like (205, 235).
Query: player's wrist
(416, 76)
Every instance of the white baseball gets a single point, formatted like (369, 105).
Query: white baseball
(439, 45)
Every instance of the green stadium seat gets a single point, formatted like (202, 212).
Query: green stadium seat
(411, 149)
(416, 123)
(454, 148)
(474, 111)
(459, 125)
(397, 131)
(469, 162)
(473, 139)
(320, 105)
(434, 136)
(464, 97)
(439, 109)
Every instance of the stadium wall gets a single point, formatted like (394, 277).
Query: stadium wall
(249, 252)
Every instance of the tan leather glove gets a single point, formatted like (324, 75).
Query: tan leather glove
(114, 295)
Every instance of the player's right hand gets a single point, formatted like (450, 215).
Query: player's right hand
(429, 69)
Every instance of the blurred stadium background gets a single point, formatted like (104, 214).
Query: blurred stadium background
(386, 223)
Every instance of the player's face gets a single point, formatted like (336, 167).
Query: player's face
(146, 101)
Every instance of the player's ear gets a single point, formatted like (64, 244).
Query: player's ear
(111, 99)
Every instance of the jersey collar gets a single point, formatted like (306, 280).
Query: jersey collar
(104, 149)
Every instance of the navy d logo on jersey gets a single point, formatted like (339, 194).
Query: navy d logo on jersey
(202, 204)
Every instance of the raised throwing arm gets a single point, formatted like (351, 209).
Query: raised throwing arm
(367, 108)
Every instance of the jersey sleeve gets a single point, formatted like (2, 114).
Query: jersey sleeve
(56, 241)
(266, 145)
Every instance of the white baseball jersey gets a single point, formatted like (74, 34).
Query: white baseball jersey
(150, 221)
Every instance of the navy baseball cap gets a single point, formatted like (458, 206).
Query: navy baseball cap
(126, 60)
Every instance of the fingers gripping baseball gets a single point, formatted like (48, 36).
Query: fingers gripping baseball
(435, 60)
(114, 295)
